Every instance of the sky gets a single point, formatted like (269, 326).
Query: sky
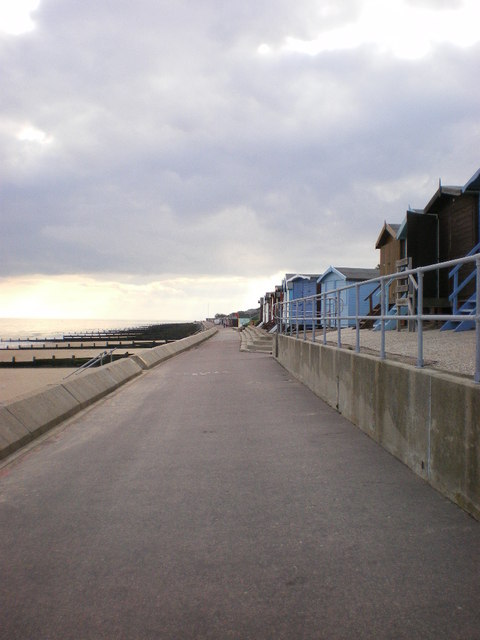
(173, 160)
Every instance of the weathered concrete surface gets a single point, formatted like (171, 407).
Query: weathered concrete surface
(153, 357)
(43, 410)
(428, 419)
(217, 497)
(13, 433)
(95, 384)
(29, 416)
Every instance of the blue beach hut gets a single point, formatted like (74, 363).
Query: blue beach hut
(295, 287)
(337, 277)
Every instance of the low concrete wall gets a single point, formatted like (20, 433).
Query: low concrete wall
(152, 357)
(28, 416)
(427, 419)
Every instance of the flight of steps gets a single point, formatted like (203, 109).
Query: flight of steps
(254, 339)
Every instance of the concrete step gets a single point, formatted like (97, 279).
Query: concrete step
(256, 340)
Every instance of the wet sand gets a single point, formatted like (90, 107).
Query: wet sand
(16, 382)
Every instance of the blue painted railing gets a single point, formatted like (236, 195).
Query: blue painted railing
(458, 287)
(289, 319)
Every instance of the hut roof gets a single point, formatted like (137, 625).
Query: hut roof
(441, 195)
(388, 229)
(474, 183)
(301, 276)
(352, 273)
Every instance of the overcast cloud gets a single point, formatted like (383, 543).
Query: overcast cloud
(167, 149)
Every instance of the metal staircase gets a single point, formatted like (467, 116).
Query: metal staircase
(392, 322)
(405, 297)
(466, 307)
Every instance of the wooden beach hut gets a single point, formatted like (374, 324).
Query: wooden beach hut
(295, 287)
(337, 277)
(445, 229)
(390, 253)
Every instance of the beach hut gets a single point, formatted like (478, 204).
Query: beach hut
(344, 304)
(267, 304)
(457, 212)
(445, 229)
(390, 253)
(295, 287)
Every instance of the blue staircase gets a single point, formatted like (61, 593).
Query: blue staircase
(468, 307)
(391, 323)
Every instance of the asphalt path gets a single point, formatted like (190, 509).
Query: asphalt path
(216, 497)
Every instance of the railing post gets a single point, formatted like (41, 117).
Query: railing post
(419, 320)
(339, 325)
(357, 320)
(296, 318)
(314, 317)
(455, 292)
(323, 307)
(382, 319)
(304, 319)
(477, 324)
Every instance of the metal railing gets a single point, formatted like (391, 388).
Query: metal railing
(458, 287)
(328, 310)
(91, 363)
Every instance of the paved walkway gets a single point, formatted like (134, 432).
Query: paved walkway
(215, 497)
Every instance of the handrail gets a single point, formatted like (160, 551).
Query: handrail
(287, 320)
(457, 267)
(375, 291)
(453, 297)
(461, 286)
(92, 362)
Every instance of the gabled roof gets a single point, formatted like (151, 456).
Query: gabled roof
(388, 229)
(301, 276)
(402, 228)
(442, 193)
(356, 274)
(474, 183)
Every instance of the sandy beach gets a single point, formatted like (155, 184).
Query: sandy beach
(16, 382)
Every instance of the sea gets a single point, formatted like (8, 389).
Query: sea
(23, 328)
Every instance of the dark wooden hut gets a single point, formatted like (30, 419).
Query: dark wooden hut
(390, 253)
(456, 210)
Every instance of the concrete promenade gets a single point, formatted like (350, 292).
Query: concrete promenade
(216, 497)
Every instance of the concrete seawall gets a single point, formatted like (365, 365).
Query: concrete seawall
(27, 417)
(427, 419)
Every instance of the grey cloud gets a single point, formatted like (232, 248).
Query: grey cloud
(177, 148)
(436, 4)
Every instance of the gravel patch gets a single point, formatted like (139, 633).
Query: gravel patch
(442, 350)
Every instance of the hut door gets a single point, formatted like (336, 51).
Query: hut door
(422, 247)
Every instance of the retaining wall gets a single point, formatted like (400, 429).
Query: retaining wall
(27, 417)
(427, 419)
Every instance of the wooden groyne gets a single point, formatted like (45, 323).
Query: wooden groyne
(63, 351)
